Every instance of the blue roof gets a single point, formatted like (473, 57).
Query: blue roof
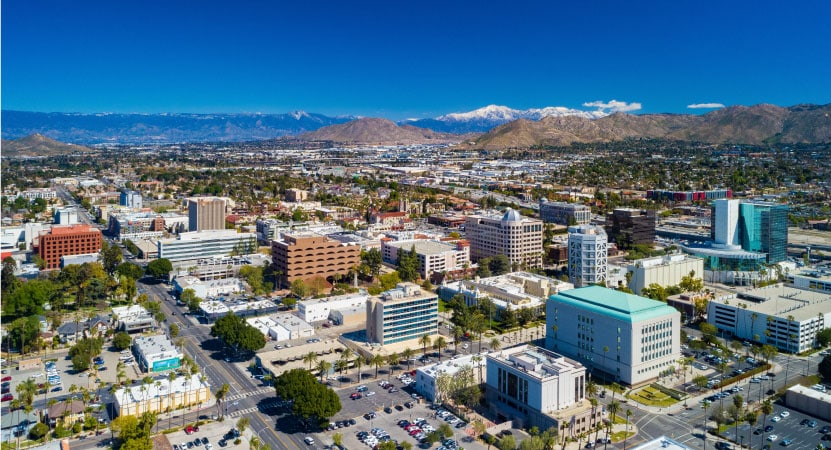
(617, 304)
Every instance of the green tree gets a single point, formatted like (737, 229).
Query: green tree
(408, 264)
(110, 256)
(499, 265)
(506, 443)
(128, 269)
(484, 270)
(655, 291)
(311, 400)
(824, 337)
(159, 268)
(174, 330)
(122, 340)
(253, 275)
(689, 283)
(825, 367)
(189, 298)
(9, 282)
(299, 288)
(372, 258)
(237, 334)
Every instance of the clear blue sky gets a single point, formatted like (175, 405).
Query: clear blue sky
(410, 59)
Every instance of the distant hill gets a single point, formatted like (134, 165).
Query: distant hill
(379, 132)
(161, 128)
(488, 117)
(39, 145)
(736, 124)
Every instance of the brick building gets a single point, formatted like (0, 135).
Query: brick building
(308, 255)
(67, 240)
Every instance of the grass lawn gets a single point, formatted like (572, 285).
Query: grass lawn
(621, 435)
(652, 397)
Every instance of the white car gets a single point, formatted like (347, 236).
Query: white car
(775, 419)
(308, 440)
(784, 414)
(773, 437)
(370, 393)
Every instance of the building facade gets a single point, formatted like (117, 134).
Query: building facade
(538, 387)
(618, 336)
(588, 249)
(67, 240)
(401, 314)
(156, 353)
(517, 237)
(663, 270)
(198, 245)
(304, 256)
(628, 227)
(756, 227)
(472, 365)
(785, 317)
(206, 213)
(433, 256)
(162, 395)
(510, 291)
(130, 199)
(563, 213)
(317, 310)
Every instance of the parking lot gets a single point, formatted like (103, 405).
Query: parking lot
(784, 429)
(212, 431)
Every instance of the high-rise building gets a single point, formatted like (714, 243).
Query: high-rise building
(758, 227)
(402, 314)
(130, 199)
(517, 237)
(433, 256)
(67, 240)
(565, 213)
(303, 256)
(631, 339)
(628, 227)
(587, 255)
(206, 213)
(65, 216)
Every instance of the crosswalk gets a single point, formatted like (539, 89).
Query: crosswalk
(233, 397)
(261, 407)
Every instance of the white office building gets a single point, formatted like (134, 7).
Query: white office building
(156, 353)
(65, 216)
(317, 310)
(433, 256)
(133, 318)
(663, 270)
(785, 317)
(198, 245)
(563, 213)
(618, 336)
(510, 291)
(162, 395)
(208, 288)
(510, 234)
(587, 255)
(425, 379)
(401, 314)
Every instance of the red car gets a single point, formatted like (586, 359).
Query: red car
(6, 378)
(7, 397)
(191, 429)
(355, 396)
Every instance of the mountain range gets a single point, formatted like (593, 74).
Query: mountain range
(503, 127)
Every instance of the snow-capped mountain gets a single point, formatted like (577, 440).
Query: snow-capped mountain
(483, 119)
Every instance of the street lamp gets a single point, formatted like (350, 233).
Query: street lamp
(706, 403)
(259, 440)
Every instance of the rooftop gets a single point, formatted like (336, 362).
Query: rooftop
(423, 246)
(134, 393)
(451, 366)
(158, 346)
(662, 442)
(538, 362)
(781, 300)
(617, 304)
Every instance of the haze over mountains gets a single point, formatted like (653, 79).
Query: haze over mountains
(503, 127)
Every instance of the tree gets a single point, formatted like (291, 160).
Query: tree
(254, 276)
(377, 360)
(824, 337)
(440, 344)
(189, 298)
(237, 334)
(506, 443)
(311, 400)
(445, 430)
(372, 258)
(483, 270)
(173, 330)
(299, 289)
(425, 342)
(825, 367)
(110, 256)
(9, 282)
(323, 367)
(407, 264)
(689, 283)
(242, 424)
(499, 265)
(128, 269)
(310, 358)
(122, 341)
(655, 291)
(159, 268)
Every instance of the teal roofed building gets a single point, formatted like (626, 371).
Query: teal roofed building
(618, 336)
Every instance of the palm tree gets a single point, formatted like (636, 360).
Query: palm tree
(750, 418)
(605, 351)
(242, 424)
(359, 361)
(392, 360)
(220, 397)
(424, 341)
(614, 407)
(407, 354)
(310, 358)
(377, 360)
(767, 408)
(458, 332)
(626, 436)
(476, 359)
(171, 378)
(495, 344)
(323, 367)
(158, 385)
(27, 391)
(440, 344)
(340, 366)
(738, 402)
(705, 404)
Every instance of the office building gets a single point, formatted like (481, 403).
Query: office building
(208, 288)
(628, 227)
(156, 353)
(642, 336)
(162, 395)
(213, 309)
(755, 227)
(785, 317)
(197, 245)
(282, 327)
(318, 309)
(35, 193)
(818, 279)
(304, 256)
(135, 226)
(663, 270)
(402, 314)
(296, 195)
(130, 199)
(133, 319)
(588, 249)
(472, 365)
(433, 256)
(67, 240)
(563, 213)
(510, 291)
(65, 216)
(510, 234)
(536, 387)
(206, 213)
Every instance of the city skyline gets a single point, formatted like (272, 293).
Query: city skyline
(411, 61)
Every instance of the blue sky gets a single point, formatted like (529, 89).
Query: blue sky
(410, 59)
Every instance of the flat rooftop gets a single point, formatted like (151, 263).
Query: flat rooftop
(451, 366)
(782, 301)
(536, 361)
(423, 246)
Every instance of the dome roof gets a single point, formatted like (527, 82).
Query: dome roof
(511, 215)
